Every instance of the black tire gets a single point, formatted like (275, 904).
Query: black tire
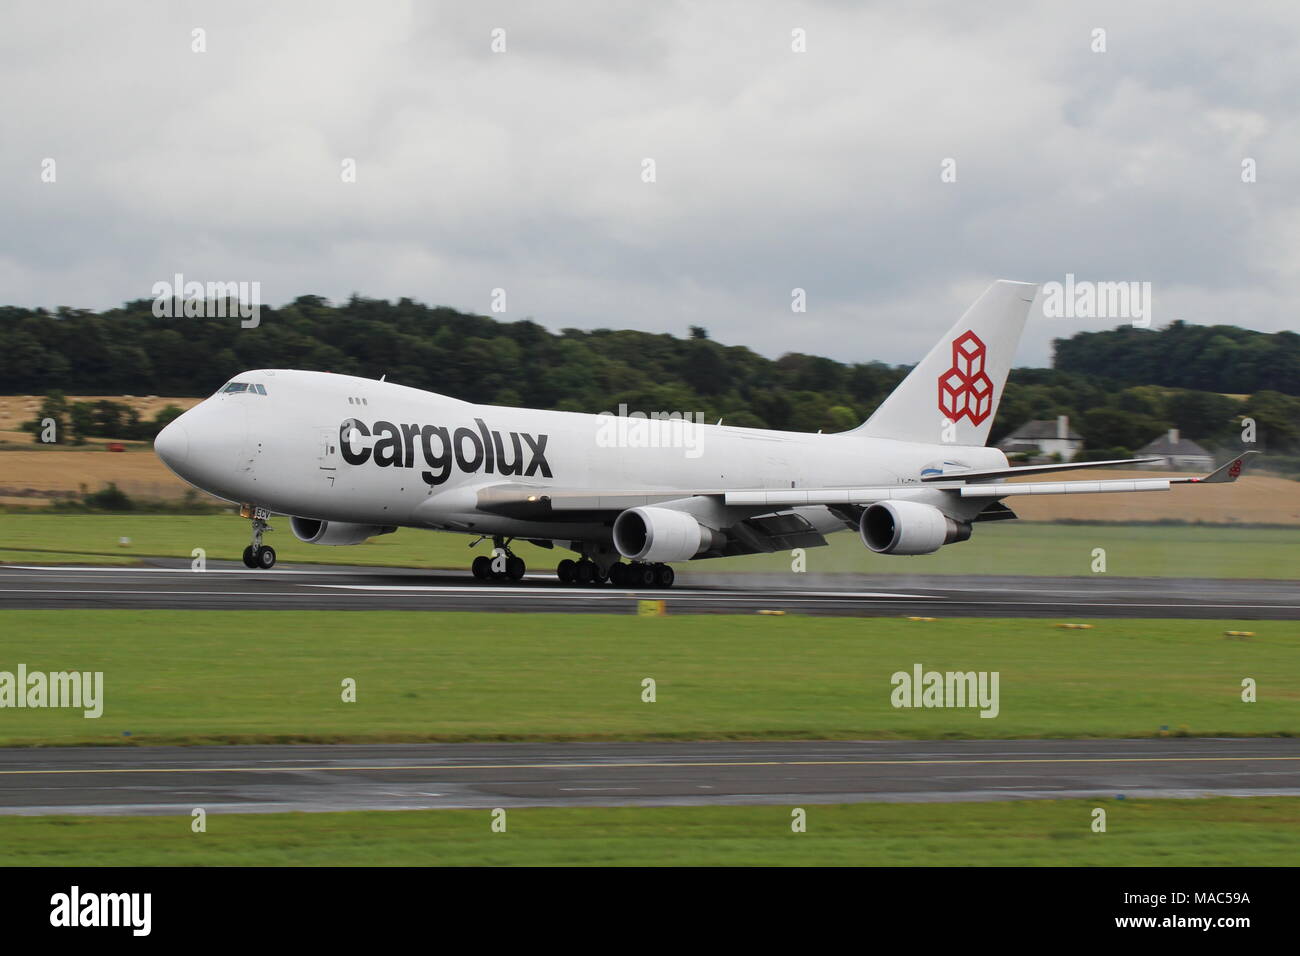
(584, 573)
(482, 567)
(664, 576)
(618, 575)
(515, 568)
(643, 575)
(250, 560)
(265, 557)
(564, 570)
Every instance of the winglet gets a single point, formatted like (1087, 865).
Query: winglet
(1228, 472)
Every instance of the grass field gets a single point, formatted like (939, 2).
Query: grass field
(1008, 547)
(1212, 832)
(249, 677)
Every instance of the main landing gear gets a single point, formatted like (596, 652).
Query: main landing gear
(587, 572)
(258, 555)
(503, 564)
(596, 567)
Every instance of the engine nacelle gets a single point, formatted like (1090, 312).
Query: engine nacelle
(661, 534)
(314, 531)
(909, 527)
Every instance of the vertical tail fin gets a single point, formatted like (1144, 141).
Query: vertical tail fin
(952, 395)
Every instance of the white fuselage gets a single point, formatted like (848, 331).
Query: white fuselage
(319, 445)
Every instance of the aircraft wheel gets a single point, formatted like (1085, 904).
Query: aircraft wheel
(565, 569)
(618, 575)
(482, 567)
(250, 560)
(515, 568)
(265, 557)
(664, 576)
(585, 572)
(643, 575)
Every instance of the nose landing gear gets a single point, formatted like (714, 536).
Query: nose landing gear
(258, 555)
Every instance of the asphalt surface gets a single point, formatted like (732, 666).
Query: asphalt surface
(223, 586)
(245, 779)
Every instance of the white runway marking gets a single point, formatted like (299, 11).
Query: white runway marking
(677, 595)
(616, 593)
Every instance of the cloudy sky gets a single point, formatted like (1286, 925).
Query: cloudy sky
(774, 169)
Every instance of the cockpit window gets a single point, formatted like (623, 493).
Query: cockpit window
(254, 389)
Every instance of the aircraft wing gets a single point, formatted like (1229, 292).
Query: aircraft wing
(976, 488)
(542, 502)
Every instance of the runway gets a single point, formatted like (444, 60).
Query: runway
(223, 586)
(266, 779)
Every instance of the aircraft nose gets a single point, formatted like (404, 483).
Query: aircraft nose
(173, 445)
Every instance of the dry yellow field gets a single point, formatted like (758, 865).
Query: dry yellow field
(70, 473)
(16, 409)
(1252, 499)
(54, 473)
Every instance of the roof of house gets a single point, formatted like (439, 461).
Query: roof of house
(1184, 447)
(1039, 430)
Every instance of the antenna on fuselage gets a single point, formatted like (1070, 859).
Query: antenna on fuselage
(384, 376)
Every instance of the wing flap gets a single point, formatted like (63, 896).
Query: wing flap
(989, 473)
(1002, 489)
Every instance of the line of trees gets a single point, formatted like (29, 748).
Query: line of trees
(1121, 388)
(1212, 358)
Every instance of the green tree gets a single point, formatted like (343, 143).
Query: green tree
(81, 421)
(1277, 420)
(54, 408)
(1103, 427)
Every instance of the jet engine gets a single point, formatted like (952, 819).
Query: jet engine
(314, 531)
(661, 534)
(909, 527)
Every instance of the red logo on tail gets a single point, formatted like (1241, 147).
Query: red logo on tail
(964, 389)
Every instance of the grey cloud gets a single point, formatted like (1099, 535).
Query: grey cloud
(775, 170)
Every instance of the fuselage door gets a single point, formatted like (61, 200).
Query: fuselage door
(329, 450)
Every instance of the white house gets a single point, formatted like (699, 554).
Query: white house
(1176, 452)
(1044, 439)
